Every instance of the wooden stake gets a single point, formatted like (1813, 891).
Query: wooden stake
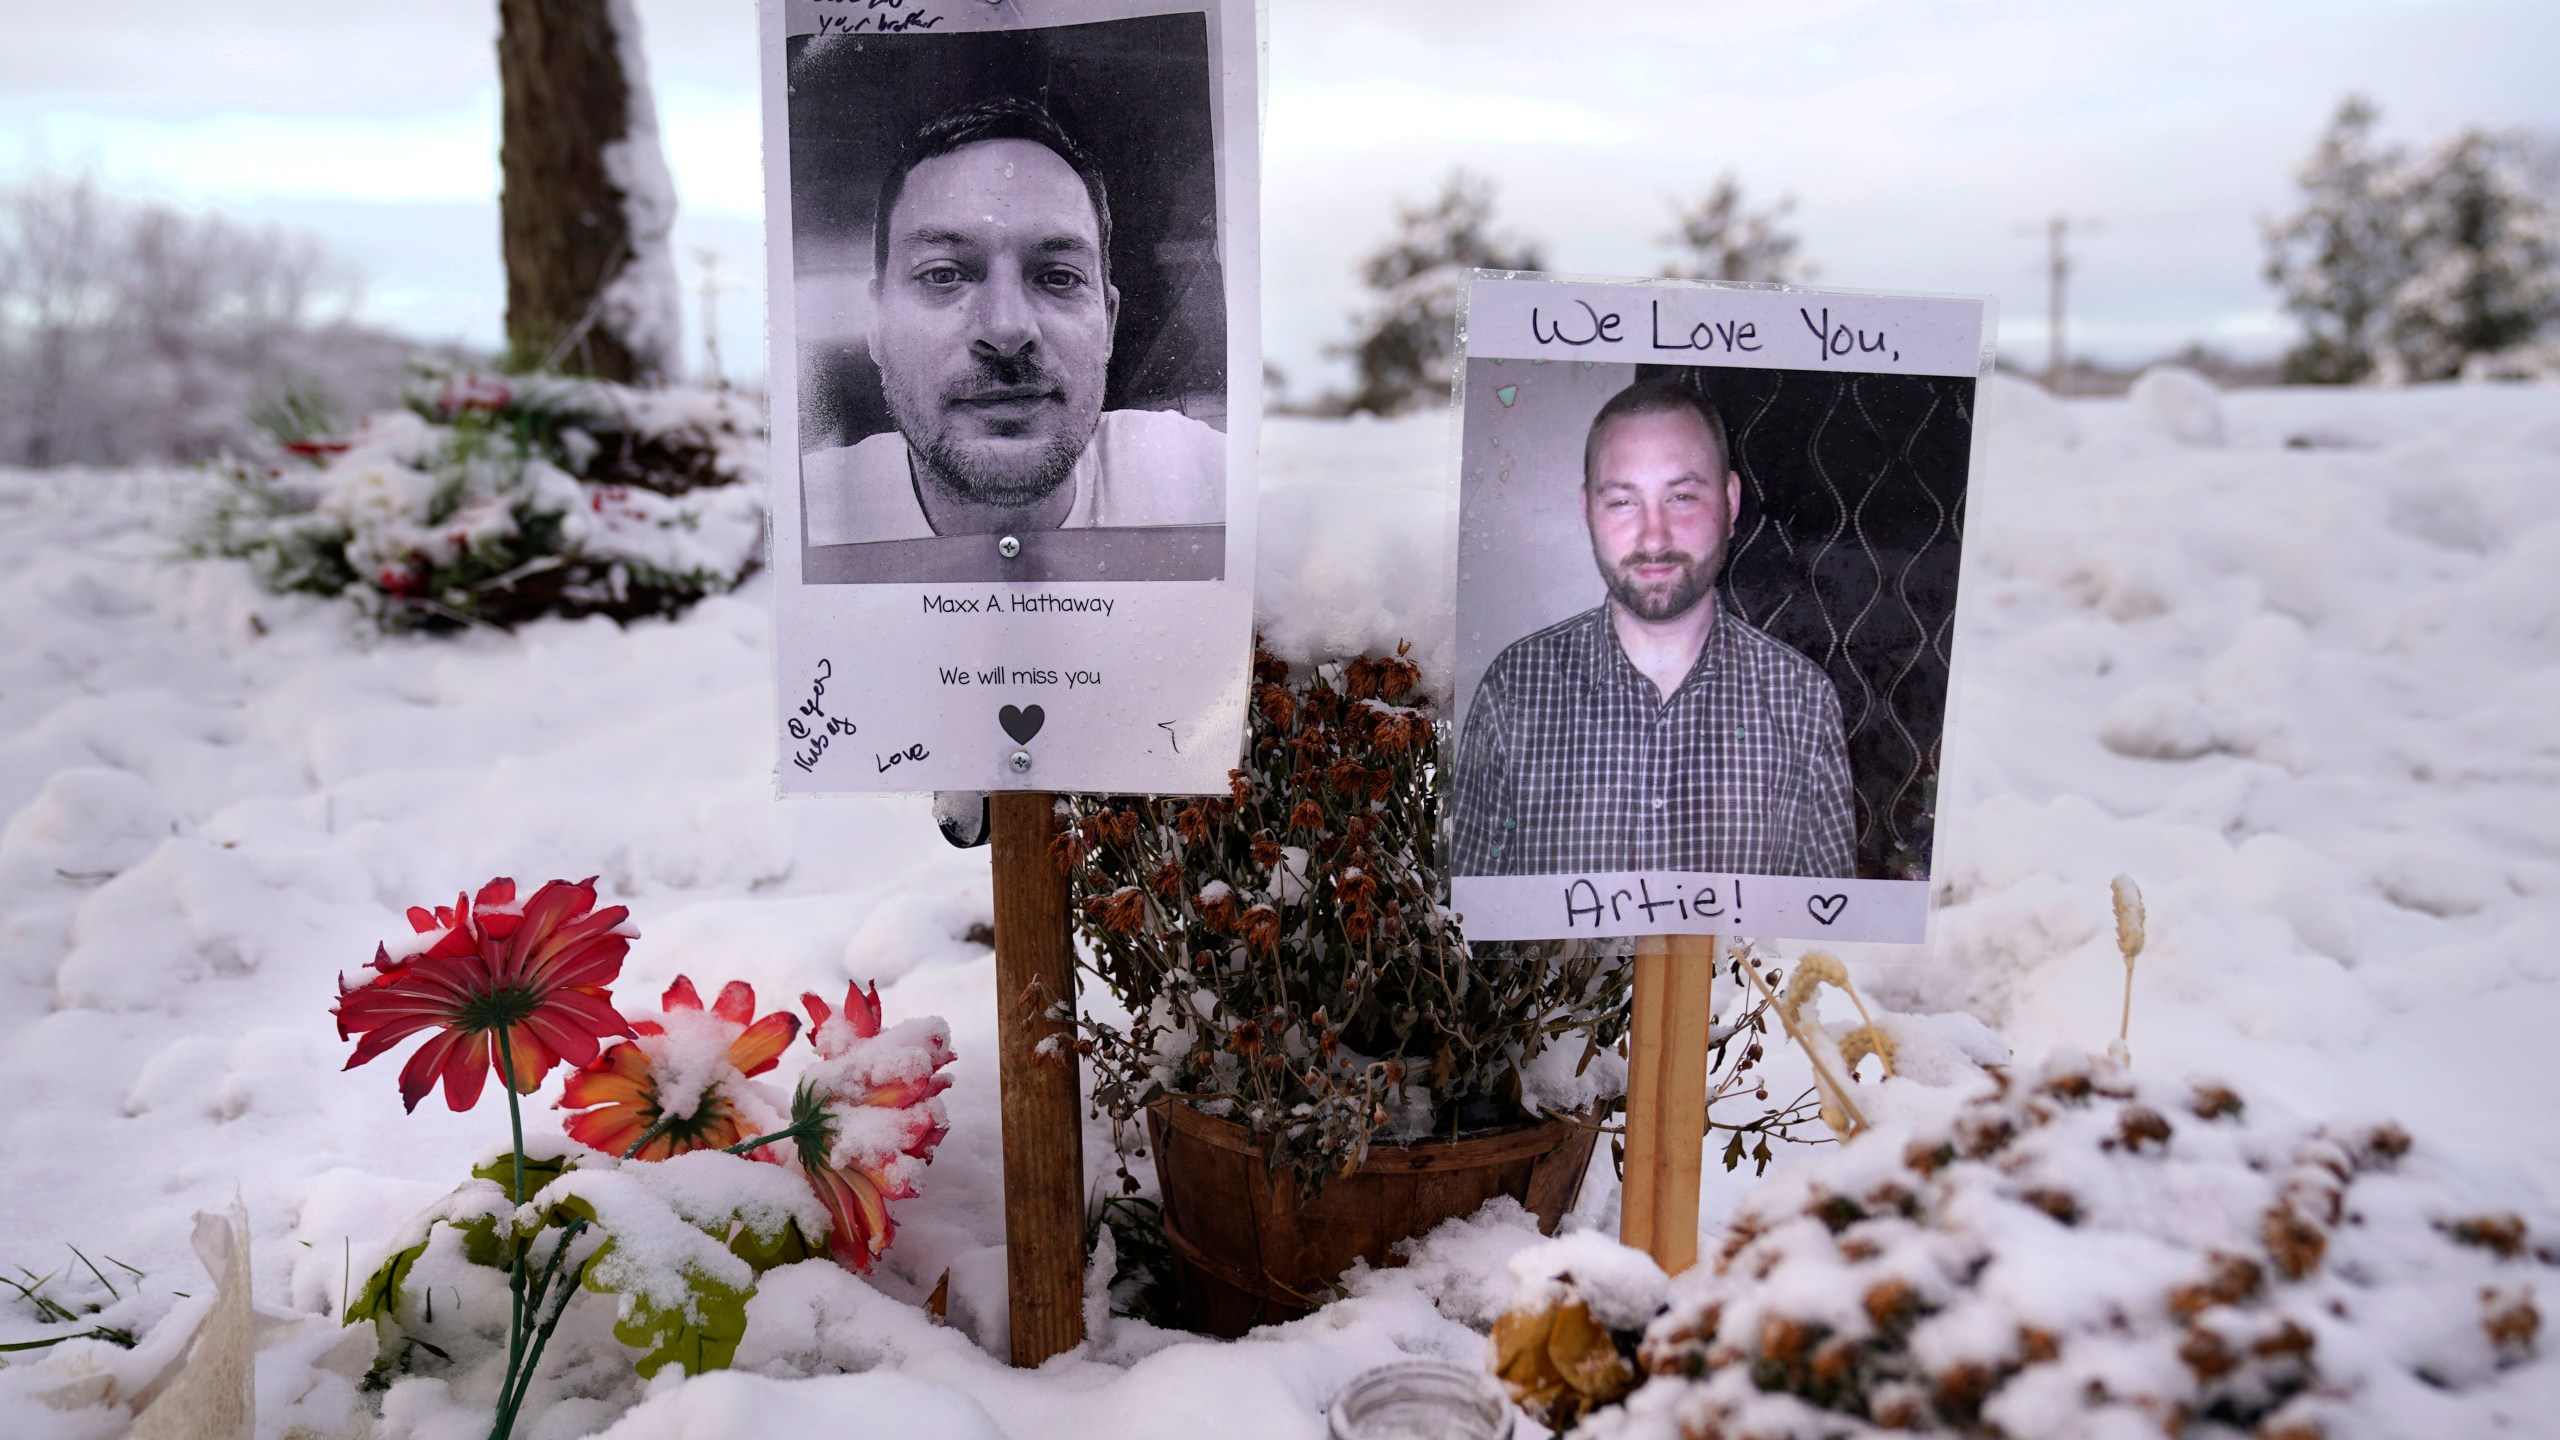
(1043, 1126)
(1667, 1096)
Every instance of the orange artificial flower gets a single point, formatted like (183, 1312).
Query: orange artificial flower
(680, 1085)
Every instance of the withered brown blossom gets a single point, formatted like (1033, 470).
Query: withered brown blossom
(1066, 851)
(1193, 823)
(1261, 927)
(1116, 827)
(1276, 706)
(1122, 911)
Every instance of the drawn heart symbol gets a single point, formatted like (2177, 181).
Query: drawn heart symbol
(1021, 724)
(1826, 908)
(1507, 394)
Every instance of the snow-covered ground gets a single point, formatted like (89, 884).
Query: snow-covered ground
(2290, 659)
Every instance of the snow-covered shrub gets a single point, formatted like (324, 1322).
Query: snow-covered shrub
(499, 500)
(2079, 1251)
(1286, 955)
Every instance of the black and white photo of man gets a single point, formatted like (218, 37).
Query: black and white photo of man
(1009, 287)
(1658, 730)
(995, 320)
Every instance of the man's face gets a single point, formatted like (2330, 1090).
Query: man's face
(994, 320)
(1660, 505)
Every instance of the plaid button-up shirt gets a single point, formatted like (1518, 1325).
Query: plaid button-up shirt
(1572, 762)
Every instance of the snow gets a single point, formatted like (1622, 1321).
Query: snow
(641, 306)
(2298, 685)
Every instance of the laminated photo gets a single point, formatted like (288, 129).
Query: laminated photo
(1709, 539)
(1013, 272)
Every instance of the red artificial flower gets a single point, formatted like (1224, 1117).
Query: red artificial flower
(682, 1077)
(535, 973)
(464, 394)
(881, 1118)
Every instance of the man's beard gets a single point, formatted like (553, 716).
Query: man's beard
(966, 471)
(1696, 581)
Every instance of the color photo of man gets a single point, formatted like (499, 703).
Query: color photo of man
(1658, 731)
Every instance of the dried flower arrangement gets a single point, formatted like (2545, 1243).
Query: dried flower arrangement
(1287, 956)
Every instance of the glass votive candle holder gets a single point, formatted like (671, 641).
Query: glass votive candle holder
(1420, 1400)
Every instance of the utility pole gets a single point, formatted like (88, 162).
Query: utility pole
(709, 260)
(2057, 231)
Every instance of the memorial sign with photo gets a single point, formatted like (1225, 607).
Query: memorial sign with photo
(1708, 549)
(1015, 390)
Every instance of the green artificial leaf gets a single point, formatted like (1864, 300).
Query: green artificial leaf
(537, 1173)
(790, 1246)
(701, 1335)
(480, 1242)
(380, 1300)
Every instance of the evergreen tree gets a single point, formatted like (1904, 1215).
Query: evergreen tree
(2340, 258)
(1407, 338)
(1719, 239)
(2483, 258)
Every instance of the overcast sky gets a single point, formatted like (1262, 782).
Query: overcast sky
(1922, 139)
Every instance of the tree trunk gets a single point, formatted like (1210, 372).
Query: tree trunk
(566, 215)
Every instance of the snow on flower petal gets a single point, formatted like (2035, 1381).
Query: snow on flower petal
(681, 1084)
(882, 1117)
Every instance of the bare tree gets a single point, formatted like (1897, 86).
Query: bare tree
(587, 204)
(1407, 338)
(1721, 238)
(56, 286)
(133, 330)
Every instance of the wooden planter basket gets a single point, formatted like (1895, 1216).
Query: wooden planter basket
(1247, 1253)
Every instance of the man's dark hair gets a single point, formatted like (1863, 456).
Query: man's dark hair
(1655, 396)
(1001, 117)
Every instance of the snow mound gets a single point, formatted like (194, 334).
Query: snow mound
(2085, 1252)
(730, 1406)
(1358, 531)
(2178, 403)
(2020, 412)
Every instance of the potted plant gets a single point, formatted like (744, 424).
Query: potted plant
(1323, 1063)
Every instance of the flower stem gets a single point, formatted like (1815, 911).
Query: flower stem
(665, 1124)
(518, 1386)
(505, 1420)
(792, 1131)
